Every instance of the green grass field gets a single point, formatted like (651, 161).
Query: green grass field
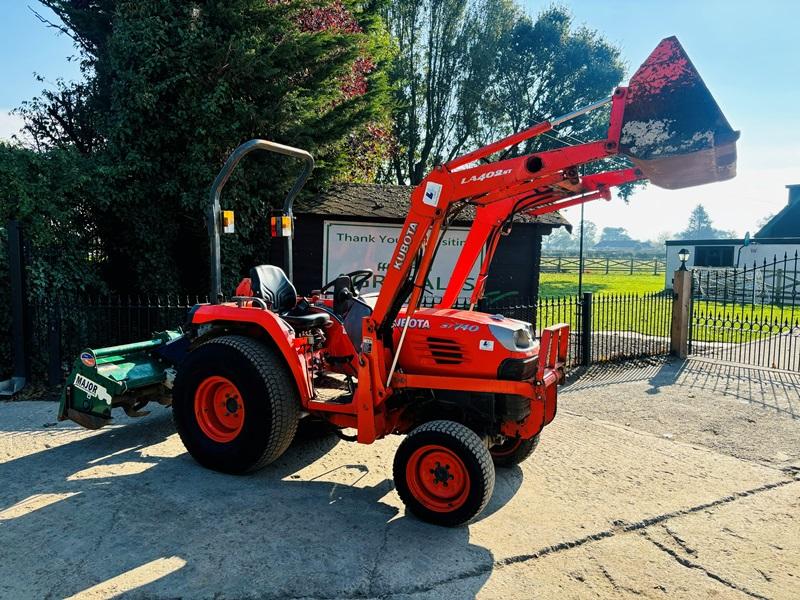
(564, 284)
(626, 302)
(734, 323)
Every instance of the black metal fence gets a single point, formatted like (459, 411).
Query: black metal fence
(604, 327)
(61, 328)
(749, 315)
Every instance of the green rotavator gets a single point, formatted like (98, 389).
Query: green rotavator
(127, 376)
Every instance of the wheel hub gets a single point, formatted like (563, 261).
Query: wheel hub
(218, 409)
(441, 474)
(438, 478)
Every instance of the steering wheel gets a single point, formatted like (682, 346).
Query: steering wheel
(358, 277)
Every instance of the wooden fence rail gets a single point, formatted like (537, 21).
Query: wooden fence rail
(603, 264)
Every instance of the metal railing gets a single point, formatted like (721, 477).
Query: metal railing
(750, 315)
(62, 327)
(604, 327)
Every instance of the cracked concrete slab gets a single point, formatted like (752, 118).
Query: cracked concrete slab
(752, 545)
(607, 507)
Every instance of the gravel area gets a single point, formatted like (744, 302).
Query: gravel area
(656, 480)
(751, 414)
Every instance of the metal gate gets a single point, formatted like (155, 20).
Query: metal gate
(748, 315)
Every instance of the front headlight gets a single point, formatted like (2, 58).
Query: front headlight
(516, 340)
(523, 339)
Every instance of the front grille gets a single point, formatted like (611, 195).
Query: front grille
(445, 352)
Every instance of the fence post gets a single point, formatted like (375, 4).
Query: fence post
(586, 329)
(54, 344)
(19, 329)
(681, 303)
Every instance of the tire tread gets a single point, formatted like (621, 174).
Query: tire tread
(470, 440)
(281, 394)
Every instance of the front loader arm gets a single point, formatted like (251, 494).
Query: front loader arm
(665, 121)
(500, 183)
(495, 189)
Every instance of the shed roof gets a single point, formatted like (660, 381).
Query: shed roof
(388, 202)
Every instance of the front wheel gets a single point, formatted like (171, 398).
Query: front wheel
(513, 451)
(443, 473)
(235, 405)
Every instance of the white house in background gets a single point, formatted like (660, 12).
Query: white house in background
(779, 237)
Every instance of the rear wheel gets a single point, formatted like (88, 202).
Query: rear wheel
(443, 473)
(513, 451)
(235, 404)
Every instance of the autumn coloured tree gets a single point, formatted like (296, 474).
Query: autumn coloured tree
(170, 87)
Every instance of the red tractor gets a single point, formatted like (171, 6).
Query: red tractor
(469, 390)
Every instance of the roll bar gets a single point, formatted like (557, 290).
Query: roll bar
(219, 183)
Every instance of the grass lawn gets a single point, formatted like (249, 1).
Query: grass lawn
(619, 306)
(649, 315)
(563, 284)
(734, 323)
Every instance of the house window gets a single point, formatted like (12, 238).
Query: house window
(713, 256)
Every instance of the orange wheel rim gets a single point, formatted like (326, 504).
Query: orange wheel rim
(506, 448)
(437, 478)
(219, 409)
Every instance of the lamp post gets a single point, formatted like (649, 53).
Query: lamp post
(683, 256)
(580, 257)
(681, 308)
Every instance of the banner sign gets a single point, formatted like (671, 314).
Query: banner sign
(348, 246)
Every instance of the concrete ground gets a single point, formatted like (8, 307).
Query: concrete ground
(661, 480)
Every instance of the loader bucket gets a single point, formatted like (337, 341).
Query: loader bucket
(673, 129)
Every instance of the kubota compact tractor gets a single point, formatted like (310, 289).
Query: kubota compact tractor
(470, 390)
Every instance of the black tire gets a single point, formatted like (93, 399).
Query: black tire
(473, 458)
(271, 404)
(513, 451)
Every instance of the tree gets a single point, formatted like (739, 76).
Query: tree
(700, 227)
(171, 87)
(764, 220)
(561, 240)
(470, 71)
(615, 234)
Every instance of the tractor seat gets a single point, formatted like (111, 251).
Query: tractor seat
(306, 321)
(270, 283)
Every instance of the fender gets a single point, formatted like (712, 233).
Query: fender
(274, 327)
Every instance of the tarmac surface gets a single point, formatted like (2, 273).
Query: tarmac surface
(656, 480)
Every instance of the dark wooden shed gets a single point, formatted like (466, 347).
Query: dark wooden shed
(515, 270)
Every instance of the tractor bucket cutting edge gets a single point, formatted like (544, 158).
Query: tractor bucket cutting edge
(127, 376)
(673, 129)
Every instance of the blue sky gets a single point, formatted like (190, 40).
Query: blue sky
(748, 54)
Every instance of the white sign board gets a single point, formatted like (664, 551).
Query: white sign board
(348, 246)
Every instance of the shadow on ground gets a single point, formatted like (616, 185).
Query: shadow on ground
(177, 530)
(767, 388)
